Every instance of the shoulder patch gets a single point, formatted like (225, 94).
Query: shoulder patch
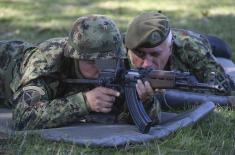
(38, 89)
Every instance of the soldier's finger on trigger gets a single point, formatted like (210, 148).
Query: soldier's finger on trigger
(110, 92)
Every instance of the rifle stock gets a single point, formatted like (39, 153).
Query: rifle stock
(160, 79)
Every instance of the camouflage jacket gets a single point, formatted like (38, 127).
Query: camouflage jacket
(192, 52)
(40, 99)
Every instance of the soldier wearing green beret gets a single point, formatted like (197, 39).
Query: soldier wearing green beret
(32, 75)
(151, 42)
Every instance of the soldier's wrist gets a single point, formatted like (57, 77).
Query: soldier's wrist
(86, 102)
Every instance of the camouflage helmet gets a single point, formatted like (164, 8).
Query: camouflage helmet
(95, 37)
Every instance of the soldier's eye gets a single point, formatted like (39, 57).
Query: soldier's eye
(156, 53)
(140, 54)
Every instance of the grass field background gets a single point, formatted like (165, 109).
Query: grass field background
(35, 21)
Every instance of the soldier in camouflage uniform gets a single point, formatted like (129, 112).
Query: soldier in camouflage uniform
(152, 43)
(39, 97)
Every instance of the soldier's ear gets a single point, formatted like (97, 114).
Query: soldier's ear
(172, 43)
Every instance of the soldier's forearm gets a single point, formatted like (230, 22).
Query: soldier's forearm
(46, 114)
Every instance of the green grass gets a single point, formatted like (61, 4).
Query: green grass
(35, 21)
(214, 135)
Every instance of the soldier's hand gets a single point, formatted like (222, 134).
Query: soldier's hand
(101, 99)
(144, 90)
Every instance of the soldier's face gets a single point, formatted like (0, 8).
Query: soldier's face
(88, 69)
(155, 57)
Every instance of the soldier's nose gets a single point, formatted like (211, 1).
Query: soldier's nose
(148, 62)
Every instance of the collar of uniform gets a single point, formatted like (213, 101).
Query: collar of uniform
(170, 59)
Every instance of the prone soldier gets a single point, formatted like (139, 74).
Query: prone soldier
(152, 43)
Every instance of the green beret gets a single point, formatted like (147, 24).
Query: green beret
(147, 30)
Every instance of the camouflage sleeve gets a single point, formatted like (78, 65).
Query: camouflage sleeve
(35, 108)
(36, 100)
(198, 57)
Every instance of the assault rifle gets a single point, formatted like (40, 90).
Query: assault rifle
(125, 82)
